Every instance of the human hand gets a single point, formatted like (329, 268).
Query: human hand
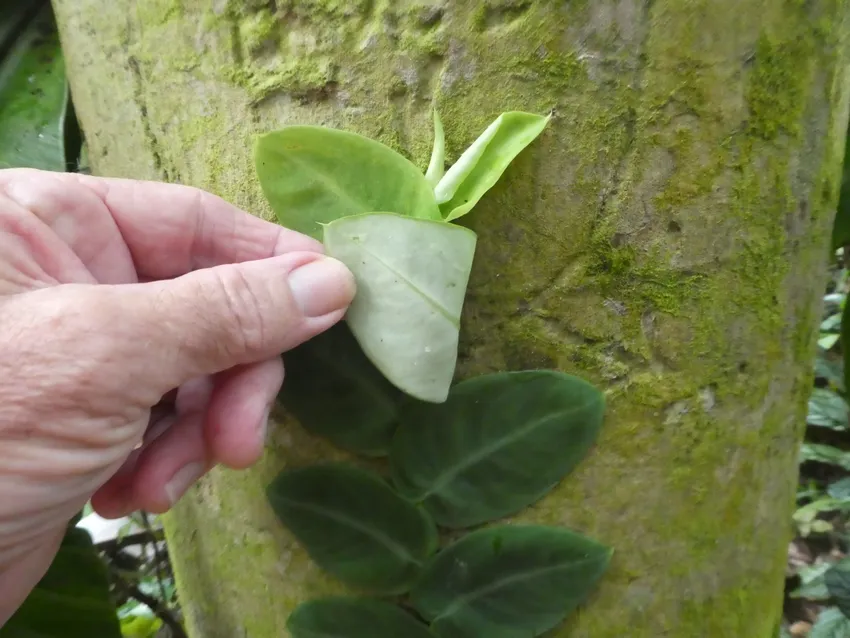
(119, 296)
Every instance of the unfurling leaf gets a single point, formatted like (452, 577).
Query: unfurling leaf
(411, 281)
(340, 617)
(437, 165)
(498, 444)
(354, 526)
(336, 392)
(482, 164)
(313, 175)
(508, 581)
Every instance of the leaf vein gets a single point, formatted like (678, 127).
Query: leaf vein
(466, 599)
(446, 477)
(397, 549)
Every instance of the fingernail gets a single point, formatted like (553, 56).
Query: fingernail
(321, 286)
(182, 480)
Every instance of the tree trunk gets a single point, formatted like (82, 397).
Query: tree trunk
(666, 237)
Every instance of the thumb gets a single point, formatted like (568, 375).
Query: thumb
(213, 319)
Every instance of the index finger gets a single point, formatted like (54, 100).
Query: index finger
(171, 229)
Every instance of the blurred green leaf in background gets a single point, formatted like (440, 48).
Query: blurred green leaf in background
(38, 128)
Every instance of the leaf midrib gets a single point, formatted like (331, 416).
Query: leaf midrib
(398, 550)
(329, 184)
(425, 296)
(465, 600)
(443, 479)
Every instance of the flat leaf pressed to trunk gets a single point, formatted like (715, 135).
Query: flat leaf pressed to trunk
(508, 581)
(336, 392)
(354, 526)
(497, 445)
(340, 617)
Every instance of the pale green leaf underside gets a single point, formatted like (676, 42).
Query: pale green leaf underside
(411, 281)
(312, 175)
(482, 164)
(437, 165)
(342, 617)
(512, 581)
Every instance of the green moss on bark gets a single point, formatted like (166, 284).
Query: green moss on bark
(660, 238)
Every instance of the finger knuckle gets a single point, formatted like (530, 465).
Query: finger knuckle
(241, 317)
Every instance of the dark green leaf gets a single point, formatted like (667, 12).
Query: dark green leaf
(837, 581)
(498, 444)
(14, 17)
(481, 165)
(508, 581)
(831, 624)
(33, 98)
(354, 526)
(338, 617)
(313, 175)
(71, 600)
(827, 409)
(411, 282)
(335, 392)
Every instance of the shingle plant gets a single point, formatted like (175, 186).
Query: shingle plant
(460, 457)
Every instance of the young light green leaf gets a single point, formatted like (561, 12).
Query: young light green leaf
(340, 617)
(336, 392)
(482, 164)
(354, 526)
(313, 175)
(508, 581)
(411, 281)
(498, 444)
(72, 599)
(437, 165)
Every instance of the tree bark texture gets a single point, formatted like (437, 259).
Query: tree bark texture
(666, 237)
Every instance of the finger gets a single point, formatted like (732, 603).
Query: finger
(172, 229)
(117, 497)
(77, 220)
(171, 465)
(238, 413)
(217, 318)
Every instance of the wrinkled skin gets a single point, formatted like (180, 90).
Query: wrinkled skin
(140, 331)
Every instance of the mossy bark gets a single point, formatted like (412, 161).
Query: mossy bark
(665, 237)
